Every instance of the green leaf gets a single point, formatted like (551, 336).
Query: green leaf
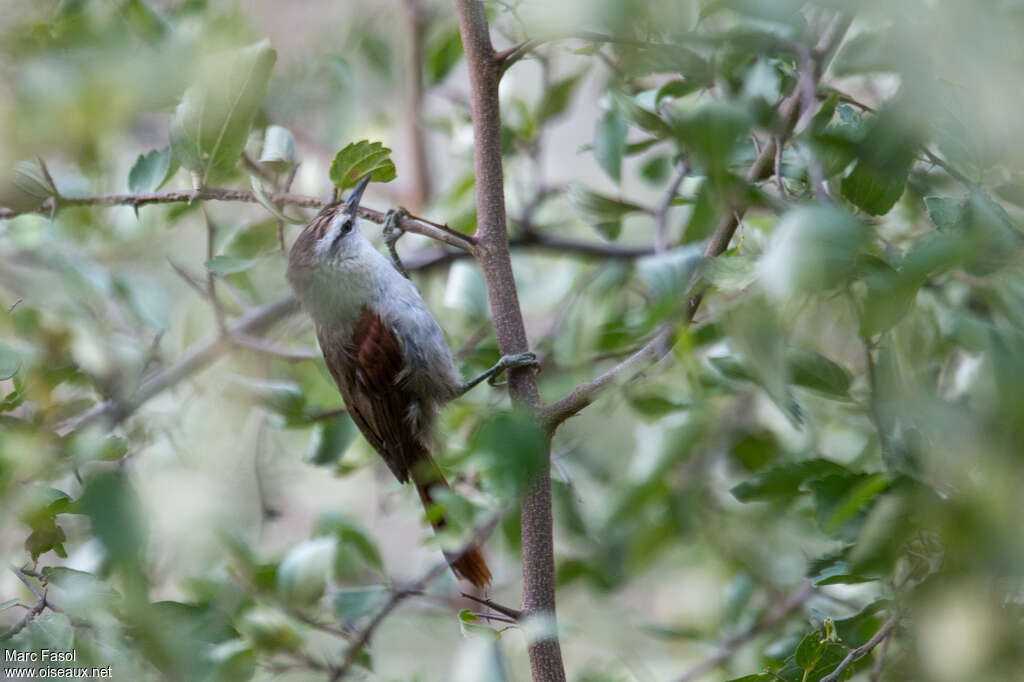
(278, 149)
(851, 494)
(889, 296)
(51, 631)
(330, 439)
(511, 448)
(555, 99)
(226, 265)
(211, 124)
(10, 361)
(352, 604)
(884, 159)
(946, 212)
(872, 192)
(654, 406)
(151, 171)
(114, 508)
(813, 249)
(283, 397)
(783, 482)
(303, 573)
(8, 604)
(603, 213)
(349, 533)
(25, 188)
(443, 52)
(358, 159)
(712, 132)
(809, 650)
(269, 629)
(640, 117)
(610, 142)
(813, 370)
(261, 197)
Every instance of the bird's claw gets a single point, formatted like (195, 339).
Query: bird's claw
(519, 360)
(392, 231)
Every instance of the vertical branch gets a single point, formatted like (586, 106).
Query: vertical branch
(492, 252)
(413, 104)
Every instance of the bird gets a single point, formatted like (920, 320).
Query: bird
(385, 351)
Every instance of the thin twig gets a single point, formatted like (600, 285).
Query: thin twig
(238, 195)
(863, 650)
(38, 608)
(21, 573)
(515, 614)
(661, 214)
(264, 347)
(362, 639)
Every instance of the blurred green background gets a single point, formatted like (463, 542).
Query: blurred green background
(833, 446)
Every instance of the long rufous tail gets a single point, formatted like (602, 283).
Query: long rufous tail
(469, 564)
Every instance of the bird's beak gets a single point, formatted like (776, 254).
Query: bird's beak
(357, 194)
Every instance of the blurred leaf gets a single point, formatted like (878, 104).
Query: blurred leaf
(8, 604)
(783, 482)
(813, 370)
(884, 159)
(278, 149)
(114, 509)
(840, 497)
(151, 171)
(555, 99)
(226, 265)
(511, 448)
(813, 249)
(755, 450)
(283, 397)
(712, 131)
(269, 629)
(359, 159)
(642, 118)
(443, 52)
(211, 125)
(261, 196)
(351, 604)
(610, 142)
(872, 193)
(330, 439)
(303, 573)
(51, 631)
(653, 406)
(889, 296)
(857, 629)
(10, 361)
(25, 187)
(603, 213)
(349, 533)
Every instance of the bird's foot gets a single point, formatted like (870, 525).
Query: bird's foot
(392, 233)
(528, 359)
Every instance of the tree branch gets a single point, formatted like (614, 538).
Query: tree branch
(863, 650)
(492, 251)
(197, 357)
(408, 223)
(362, 639)
(789, 110)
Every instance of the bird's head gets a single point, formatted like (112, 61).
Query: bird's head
(331, 237)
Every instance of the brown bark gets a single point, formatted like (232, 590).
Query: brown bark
(492, 251)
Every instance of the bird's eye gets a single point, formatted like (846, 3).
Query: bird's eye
(346, 226)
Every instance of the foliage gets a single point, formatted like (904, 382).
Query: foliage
(825, 460)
